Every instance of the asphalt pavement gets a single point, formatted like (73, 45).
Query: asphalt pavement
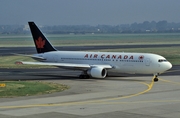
(119, 95)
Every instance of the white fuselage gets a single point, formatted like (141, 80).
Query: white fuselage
(143, 63)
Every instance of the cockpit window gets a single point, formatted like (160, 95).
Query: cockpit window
(162, 60)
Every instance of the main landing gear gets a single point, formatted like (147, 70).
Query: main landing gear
(83, 76)
(156, 77)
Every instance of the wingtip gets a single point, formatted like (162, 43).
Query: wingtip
(19, 63)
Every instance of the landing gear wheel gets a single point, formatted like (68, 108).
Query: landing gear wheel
(83, 76)
(156, 79)
(80, 76)
(86, 77)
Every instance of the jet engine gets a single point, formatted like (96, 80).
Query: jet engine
(97, 72)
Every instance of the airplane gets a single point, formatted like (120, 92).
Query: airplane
(95, 64)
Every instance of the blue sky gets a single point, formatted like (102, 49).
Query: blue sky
(87, 12)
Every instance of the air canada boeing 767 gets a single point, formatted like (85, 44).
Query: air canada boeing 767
(95, 64)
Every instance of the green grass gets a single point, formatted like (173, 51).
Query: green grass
(29, 88)
(9, 62)
(93, 39)
(172, 54)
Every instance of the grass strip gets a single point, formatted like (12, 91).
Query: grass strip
(29, 88)
(95, 39)
(172, 54)
(9, 62)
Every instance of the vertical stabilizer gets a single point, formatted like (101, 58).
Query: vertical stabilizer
(41, 42)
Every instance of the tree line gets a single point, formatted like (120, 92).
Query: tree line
(145, 27)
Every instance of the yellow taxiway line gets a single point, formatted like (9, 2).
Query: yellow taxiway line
(149, 87)
(169, 81)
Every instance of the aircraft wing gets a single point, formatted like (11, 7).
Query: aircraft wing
(32, 56)
(65, 65)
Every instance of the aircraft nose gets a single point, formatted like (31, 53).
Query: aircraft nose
(168, 66)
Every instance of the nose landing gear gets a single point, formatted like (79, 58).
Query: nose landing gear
(156, 77)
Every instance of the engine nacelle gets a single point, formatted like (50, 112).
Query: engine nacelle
(97, 72)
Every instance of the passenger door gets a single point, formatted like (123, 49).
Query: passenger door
(147, 62)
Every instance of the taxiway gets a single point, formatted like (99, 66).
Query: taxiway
(122, 95)
(115, 97)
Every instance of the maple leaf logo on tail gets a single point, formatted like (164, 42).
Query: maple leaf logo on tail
(40, 43)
